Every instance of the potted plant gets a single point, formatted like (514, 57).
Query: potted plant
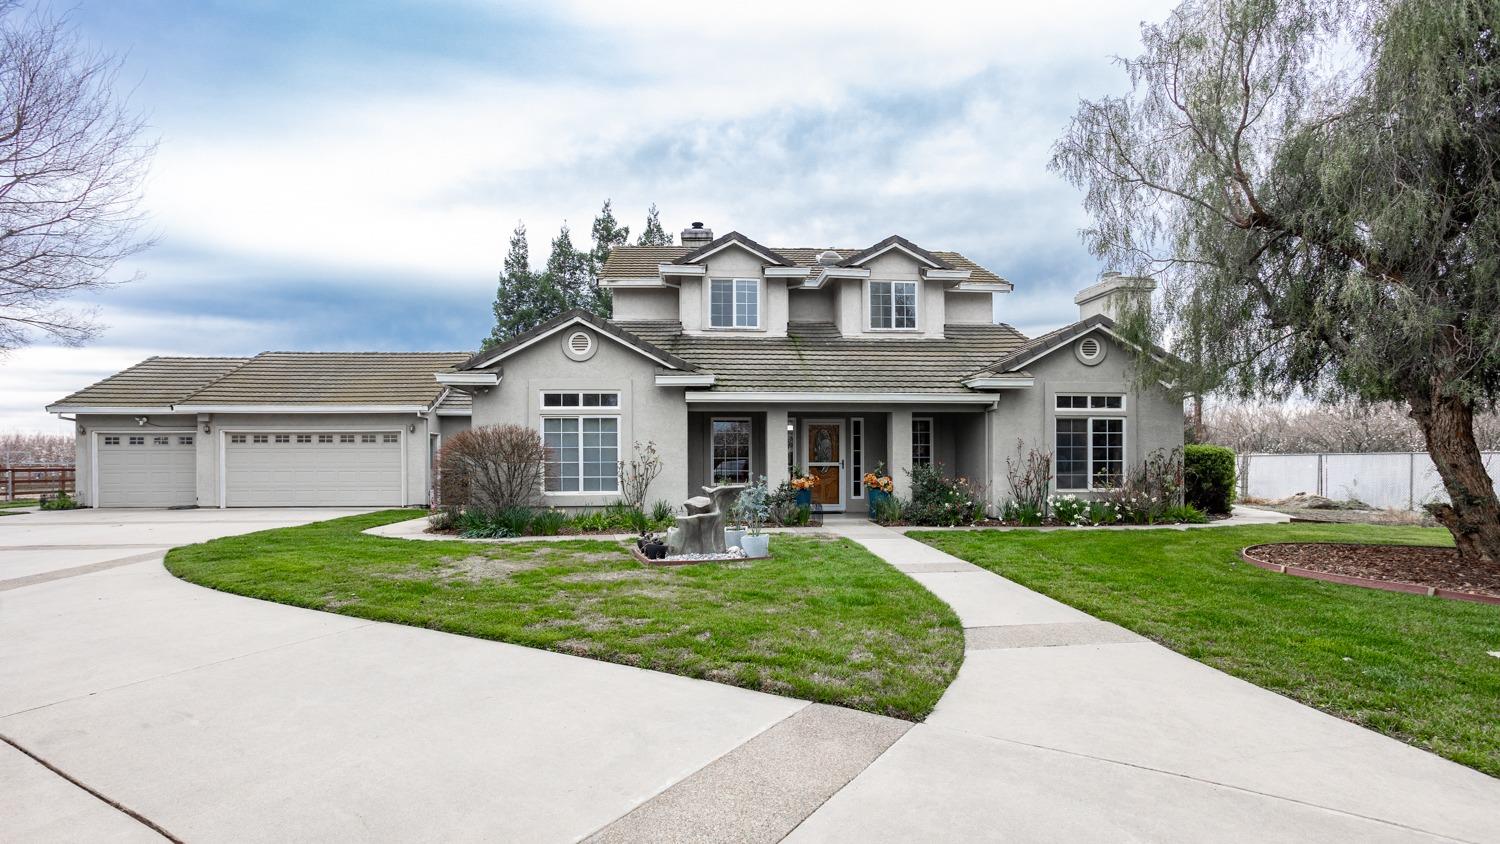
(803, 484)
(734, 526)
(755, 506)
(878, 487)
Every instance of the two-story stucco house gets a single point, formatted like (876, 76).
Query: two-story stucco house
(736, 359)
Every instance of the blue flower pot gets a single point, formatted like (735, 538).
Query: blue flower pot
(875, 496)
(804, 498)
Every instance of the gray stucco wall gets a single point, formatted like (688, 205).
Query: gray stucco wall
(645, 303)
(647, 413)
(1153, 418)
(969, 308)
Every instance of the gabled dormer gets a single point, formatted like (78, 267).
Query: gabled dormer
(733, 285)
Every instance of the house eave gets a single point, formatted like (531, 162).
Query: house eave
(984, 287)
(633, 282)
(468, 379)
(685, 379)
(301, 408)
(814, 397)
(991, 383)
(117, 410)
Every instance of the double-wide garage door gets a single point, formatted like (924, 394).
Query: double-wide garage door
(146, 469)
(312, 469)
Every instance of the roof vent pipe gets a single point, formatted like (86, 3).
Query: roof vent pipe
(696, 235)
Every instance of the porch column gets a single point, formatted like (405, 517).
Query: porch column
(898, 450)
(775, 447)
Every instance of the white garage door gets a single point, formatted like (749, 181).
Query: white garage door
(312, 469)
(146, 469)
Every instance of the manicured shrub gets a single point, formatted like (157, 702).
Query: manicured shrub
(941, 501)
(1209, 472)
(63, 501)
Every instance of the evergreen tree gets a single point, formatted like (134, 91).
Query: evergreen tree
(524, 299)
(654, 234)
(569, 271)
(608, 234)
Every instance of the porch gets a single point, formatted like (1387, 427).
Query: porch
(837, 444)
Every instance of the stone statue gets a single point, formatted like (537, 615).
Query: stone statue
(701, 531)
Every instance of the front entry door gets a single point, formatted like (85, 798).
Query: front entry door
(825, 461)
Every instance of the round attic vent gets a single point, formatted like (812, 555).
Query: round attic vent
(579, 345)
(829, 257)
(1089, 350)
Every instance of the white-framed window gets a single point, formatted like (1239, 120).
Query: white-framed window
(184, 440)
(893, 305)
(111, 440)
(390, 438)
(921, 441)
(161, 440)
(1090, 452)
(729, 447)
(237, 439)
(346, 438)
(136, 440)
(554, 398)
(325, 438)
(281, 438)
(583, 453)
(856, 457)
(734, 303)
(304, 438)
(367, 438)
(1075, 401)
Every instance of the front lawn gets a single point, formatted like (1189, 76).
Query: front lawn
(823, 620)
(1412, 667)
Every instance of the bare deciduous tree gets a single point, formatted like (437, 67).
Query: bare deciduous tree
(72, 157)
(637, 475)
(1277, 428)
(492, 468)
(36, 450)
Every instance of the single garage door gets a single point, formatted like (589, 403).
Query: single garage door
(146, 470)
(313, 469)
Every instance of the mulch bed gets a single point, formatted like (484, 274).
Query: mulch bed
(1435, 568)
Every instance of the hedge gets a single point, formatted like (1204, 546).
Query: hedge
(1209, 472)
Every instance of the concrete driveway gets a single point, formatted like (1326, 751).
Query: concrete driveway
(134, 705)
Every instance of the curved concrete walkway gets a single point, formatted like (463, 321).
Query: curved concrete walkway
(1062, 727)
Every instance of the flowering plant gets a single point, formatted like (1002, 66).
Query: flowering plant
(875, 480)
(800, 481)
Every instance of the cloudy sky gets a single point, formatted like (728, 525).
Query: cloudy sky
(344, 175)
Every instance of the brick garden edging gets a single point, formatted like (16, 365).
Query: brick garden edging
(1367, 582)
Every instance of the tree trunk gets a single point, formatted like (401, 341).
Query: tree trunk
(1473, 517)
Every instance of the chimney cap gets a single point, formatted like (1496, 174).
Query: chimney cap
(697, 234)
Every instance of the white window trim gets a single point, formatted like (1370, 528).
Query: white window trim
(870, 308)
(931, 441)
(857, 426)
(760, 304)
(750, 469)
(1089, 449)
(1091, 411)
(619, 448)
(579, 409)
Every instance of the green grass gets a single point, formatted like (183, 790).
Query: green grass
(1409, 666)
(19, 502)
(823, 620)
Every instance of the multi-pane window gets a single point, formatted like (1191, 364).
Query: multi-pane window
(136, 441)
(237, 439)
(111, 440)
(1075, 402)
(1090, 452)
(161, 440)
(346, 438)
(583, 453)
(184, 440)
(390, 438)
(281, 438)
(921, 442)
(572, 399)
(729, 446)
(893, 304)
(304, 438)
(856, 457)
(367, 438)
(734, 303)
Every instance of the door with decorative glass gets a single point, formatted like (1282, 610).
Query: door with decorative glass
(824, 443)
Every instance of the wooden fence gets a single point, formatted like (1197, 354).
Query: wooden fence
(31, 481)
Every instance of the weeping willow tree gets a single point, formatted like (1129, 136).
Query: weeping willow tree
(1314, 186)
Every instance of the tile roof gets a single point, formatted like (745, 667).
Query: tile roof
(386, 378)
(814, 356)
(642, 261)
(1045, 343)
(274, 378)
(154, 382)
(488, 357)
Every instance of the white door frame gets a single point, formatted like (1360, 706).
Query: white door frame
(843, 461)
(305, 429)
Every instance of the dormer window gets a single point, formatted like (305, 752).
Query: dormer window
(734, 303)
(893, 305)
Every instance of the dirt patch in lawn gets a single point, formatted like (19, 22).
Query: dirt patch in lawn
(1436, 567)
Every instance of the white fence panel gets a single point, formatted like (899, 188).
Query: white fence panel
(1279, 475)
(1401, 480)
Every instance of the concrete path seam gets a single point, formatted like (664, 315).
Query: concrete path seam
(108, 547)
(1191, 778)
(75, 571)
(103, 798)
(190, 668)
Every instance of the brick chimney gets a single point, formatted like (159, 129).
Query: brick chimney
(696, 235)
(1113, 295)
